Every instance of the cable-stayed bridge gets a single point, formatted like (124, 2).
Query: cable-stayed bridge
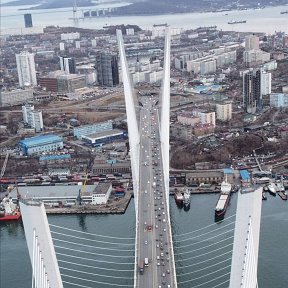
(147, 260)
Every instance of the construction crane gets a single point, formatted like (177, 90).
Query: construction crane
(81, 191)
(4, 165)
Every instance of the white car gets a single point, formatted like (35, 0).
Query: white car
(146, 242)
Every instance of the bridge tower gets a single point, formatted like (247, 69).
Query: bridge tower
(45, 269)
(246, 239)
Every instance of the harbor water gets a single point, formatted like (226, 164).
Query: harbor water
(267, 20)
(272, 272)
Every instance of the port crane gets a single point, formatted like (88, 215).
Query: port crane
(4, 165)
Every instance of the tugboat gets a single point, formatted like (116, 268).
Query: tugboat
(8, 210)
(186, 200)
(223, 200)
(179, 198)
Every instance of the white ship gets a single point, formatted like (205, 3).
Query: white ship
(186, 198)
(272, 189)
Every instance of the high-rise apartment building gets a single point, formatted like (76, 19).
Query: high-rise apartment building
(32, 117)
(26, 69)
(224, 111)
(252, 98)
(67, 64)
(251, 42)
(265, 83)
(37, 121)
(28, 20)
(107, 68)
(26, 112)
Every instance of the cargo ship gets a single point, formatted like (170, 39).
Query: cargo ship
(237, 22)
(223, 200)
(8, 210)
(179, 198)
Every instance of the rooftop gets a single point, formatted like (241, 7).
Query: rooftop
(102, 188)
(102, 134)
(40, 140)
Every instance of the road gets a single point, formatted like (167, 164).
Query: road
(153, 231)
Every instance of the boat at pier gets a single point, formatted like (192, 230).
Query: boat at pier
(8, 210)
(179, 198)
(237, 22)
(283, 195)
(223, 200)
(186, 200)
(272, 189)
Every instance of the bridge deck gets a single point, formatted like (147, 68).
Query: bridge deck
(154, 232)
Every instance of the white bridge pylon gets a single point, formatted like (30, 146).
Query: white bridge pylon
(246, 240)
(45, 269)
(131, 104)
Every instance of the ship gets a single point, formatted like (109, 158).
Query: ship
(284, 12)
(272, 189)
(186, 200)
(223, 200)
(8, 210)
(237, 22)
(179, 198)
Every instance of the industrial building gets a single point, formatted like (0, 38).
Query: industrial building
(85, 130)
(101, 138)
(15, 97)
(67, 194)
(40, 144)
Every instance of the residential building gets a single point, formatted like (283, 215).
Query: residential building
(26, 112)
(40, 144)
(15, 97)
(28, 20)
(255, 57)
(70, 37)
(107, 68)
(37, 121)
(278, 100)
(224, 111)
(205, 117)
(26, 69)
(203, 129)
(67, 64)
(252, 98)
(85, 130)
(188, 119)
(265, 83)
(251, 42)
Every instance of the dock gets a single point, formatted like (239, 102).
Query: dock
(283, 195)
(115, 206)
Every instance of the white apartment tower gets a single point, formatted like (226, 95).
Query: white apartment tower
(26, 112)
(265, 83)
(251, 42)
(26, 69)
(224, 111)
(32, 117)
(37, 121)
